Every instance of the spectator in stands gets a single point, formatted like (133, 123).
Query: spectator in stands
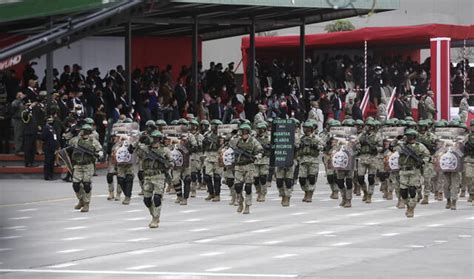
(336, 105)
(17, 108)
(216, 109)
(50, 139)
(356, 111)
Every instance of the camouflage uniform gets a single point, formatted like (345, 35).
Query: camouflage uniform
(229, 171)
(212, 175)
(428, 139)
(125, 177)
(463, 109)
(469, 162)
(411, 171)
(111, 172)
(308, 157)
(83, 166)
(344, 178)
(244, 167)
(262, 164)
(196, 163)
(330, 172)
(155, 173)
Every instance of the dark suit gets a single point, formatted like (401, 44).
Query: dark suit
(50, 144)
(180, 96)
(399, 109)
(356, 113)
(216, 111)
(31, 95)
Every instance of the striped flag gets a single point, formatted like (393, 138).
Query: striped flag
(440, 75)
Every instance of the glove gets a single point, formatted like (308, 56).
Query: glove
(259, 156)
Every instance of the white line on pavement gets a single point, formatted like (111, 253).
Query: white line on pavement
(211, 254)
(136, 219)
(74, 238)
(137, 229)
(372, 224)
(221, 268)
(135, 210)
(298, 213)
(14, 228)
(205, 240)
(440, 241)
(140, 252)
(138, 239)
(20, 218)
(199, 230)
(390, 234)
(193, 220)
(79, 218)
(341, 244)
(141, 267)
(28, 209)
(465, 235)
(273, 242)
(62, 265)
(252, 221)
(311, 222)
(434, 225)
(285, 256)
(261, 231)
(10, 237)
(69, 251)
(189, 211)
(5, 249)
(415, 246)
(75, 228)
(324, 232)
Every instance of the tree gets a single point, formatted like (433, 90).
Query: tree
(339, 25)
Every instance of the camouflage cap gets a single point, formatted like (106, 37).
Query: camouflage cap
(245, 127)
(86, 127)
(89, 121)
(348, 122)
(150, 123)
(411, 132)
(308, 124)
(156, 134)
(262, 125)
(216, 122)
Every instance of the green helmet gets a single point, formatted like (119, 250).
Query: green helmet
(245, 127)
(183, 121)
(370, 122)
(411, 132)
(89, 121)
(308, 124)
(86, 127)
(205, 122)
(377, 123)
(472, 123)
(411, 123)
(409, 118)
(235, 121)
(150, 123)
(390, 122)
(156, 134)
(453, 123)
(246, 121)
(463, 125)
(174, 122)
(216, 122)
(423, 123)
(348, 122)
(402, 123)
(429, 122)
(128, 120)
(160, 122)
(334, 123)
(440, 124)
(359, 122)
(445, 123)
(194, 122)
(261, 125)
(297, 122)
(370, 118)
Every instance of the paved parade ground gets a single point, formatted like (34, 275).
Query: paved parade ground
(41, 236)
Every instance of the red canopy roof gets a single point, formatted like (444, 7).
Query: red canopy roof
(376, 36)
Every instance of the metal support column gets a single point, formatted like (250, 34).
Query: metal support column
(251, 66)
(128, 61)
(49, 67)
(302, 58)
(194, 74)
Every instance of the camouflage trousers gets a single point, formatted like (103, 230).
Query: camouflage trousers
(212, 168)
(330, 173)
(410, 180)
(243, 180)
(308, 175)
(111, 172)
(181, 182)
(428, 175)
(367, 164)
(394, 182)
(468, 175)
(452, 182)
(81, 176)
(345, 183)
(153, 188)
(284, 180)
(260, 178)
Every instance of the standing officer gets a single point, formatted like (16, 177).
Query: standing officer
(262, 165)
(308, 156)
(212, 172)
(246, 151)
(157, 161)
(413, 155)
(85, 150)
(50, 139)
(369, 144)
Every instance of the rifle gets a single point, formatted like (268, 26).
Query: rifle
(407, 151)
(153, 156)
(241, 152)
(83, 151)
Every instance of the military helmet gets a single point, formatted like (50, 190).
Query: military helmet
(174, 122)
(160, 122)
(411, 123)
(261, 125)
(156, 134)
(409, 118)
(86, 127)
(370, 122)
(235, 121)
(377, 123)
(463, 125)
(370, 118)
(245, 127)
(348, 122)
(246, 121)
(429, 122)
(389, 122)
(194, 122)
(445, 123)
(205, 122)
(128, 120)
(297, 122)
(440, 124)
(308, 124)
(453, 123)
(150, 123)
(89, 121)
(402, 123)
(334, 123)
(183, 121)
(216, 122)
(423, 123)
(359, 122)
(411, 132)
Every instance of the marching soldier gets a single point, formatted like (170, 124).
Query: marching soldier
(182, 174)
(308, 155)
(329, 144)
(344, 177)
(262, 165)
(469, 162)
(204, 129)
(212, 171)
(196, 162)
(246, 151)
(125, 173)
(229, 171)
(429, 140)
(157, 162)
(359, 124)
(112, 169)
(369, 144)
(452, 182)
(144, 138)
(413, 155)
(84, 154)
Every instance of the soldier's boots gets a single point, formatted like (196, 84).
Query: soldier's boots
(440, 196)
(463, 194)
(343, 202)
(410, 212)
(246, 209)
(448, 204)
(286, 201)
(334, 195)
(209, 197)
(117, 197)
(259, 197)
(79, 205)
(364, 197)
(183, 202)
(425, 199)
(400, 204)
(305, 198)
(193, 193)
(310, 196)
(111, 196)
(216, 198)
(178, 199)
(385, 194)
(154, 223)
(471, 196)
(369, 198)
(232, 199)
(453, 205)
(140, 193)
(126, 200)
(389, 195)
(85, 208)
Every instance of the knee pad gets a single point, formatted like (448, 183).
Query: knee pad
(87, 187)
(412, 192)
(120, 180)
(217, 179)
(147, 202)
(110, 178)
(76, 186)
(340, 183)
(288, 183)
(404, 193)
(248, 188)
(312, 179)
(331, 179)
(207, 179)
(239, 187)
(140, 175)
(263, 180)
(280, 183)
(371, 179)
(129, 178)
(256, 181)
(383, 176)
(361, 179)
(302, 181)
(194, 176)
(157, 200)
(349, 183)
(230, 182)
(187, 180)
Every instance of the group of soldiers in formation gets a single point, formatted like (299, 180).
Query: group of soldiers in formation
(159, 171)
